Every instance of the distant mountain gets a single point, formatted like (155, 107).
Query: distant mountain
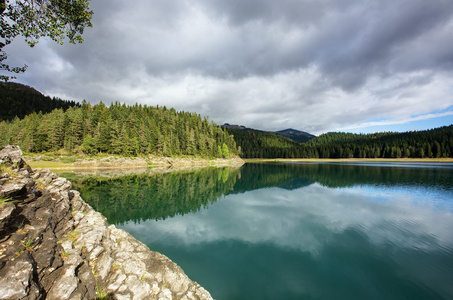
(291, 134)
(296, 135)
(433, 143)
(236, 127)
(20, 100)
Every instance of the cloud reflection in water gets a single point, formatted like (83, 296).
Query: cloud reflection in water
(306, 218)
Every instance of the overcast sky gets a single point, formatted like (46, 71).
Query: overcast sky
(312, 65)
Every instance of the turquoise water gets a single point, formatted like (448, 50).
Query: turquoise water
(295, 231)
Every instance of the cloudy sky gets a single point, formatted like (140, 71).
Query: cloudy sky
(312, 65)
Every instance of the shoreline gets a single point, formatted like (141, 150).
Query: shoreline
(54, 245)
(138, 165)
(117, 163)
(121, 163)
(427, 160)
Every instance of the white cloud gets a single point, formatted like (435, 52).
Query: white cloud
(313, 66)
(252, 217)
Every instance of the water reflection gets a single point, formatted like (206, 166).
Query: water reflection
(155, 196)
(160, 195)
(296, 231)
(305, 219)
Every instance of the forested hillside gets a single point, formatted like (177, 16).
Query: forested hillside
(429, 143)
(119, 129)
(291, 134)
(420, 144)
(260, 144)
(20, 100)
(38, 123)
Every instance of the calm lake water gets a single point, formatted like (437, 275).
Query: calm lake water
(294, 230)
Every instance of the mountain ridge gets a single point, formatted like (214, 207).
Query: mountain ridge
(289, 133)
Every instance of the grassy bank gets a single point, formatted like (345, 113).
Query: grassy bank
(42, 164)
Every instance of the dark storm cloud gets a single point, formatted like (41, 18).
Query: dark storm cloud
(348, 40)
(292, 13)
(313, 65)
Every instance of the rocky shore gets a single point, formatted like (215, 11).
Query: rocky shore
(115, 162)
(53, 245)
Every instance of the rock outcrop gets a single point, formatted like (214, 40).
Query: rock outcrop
(53, 245)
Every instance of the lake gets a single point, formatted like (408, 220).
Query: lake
(294, 230)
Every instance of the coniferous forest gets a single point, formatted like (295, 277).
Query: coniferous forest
(434, 143)
(21, 100)
(38, 124)
(119, 129)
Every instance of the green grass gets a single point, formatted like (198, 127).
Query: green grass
(8, 170)
(64, 254)
(102, 294)
(73, 236)
(4, 200)
(27, 243)
(68, 160)
(48, 164)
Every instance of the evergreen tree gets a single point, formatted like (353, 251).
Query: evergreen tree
(430, 143)
(118, 129)
(225, 151)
